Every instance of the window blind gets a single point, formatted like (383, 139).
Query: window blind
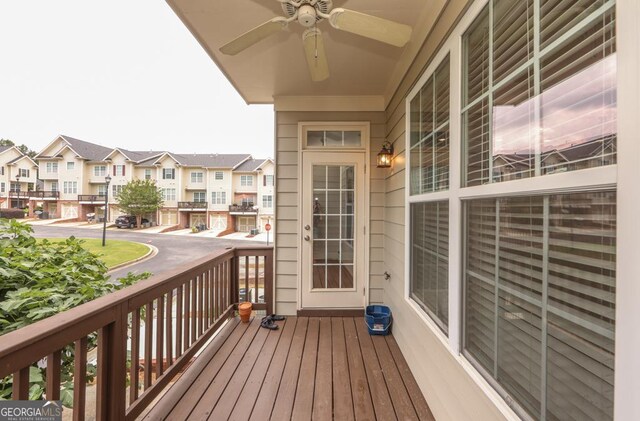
(429, 259)
(553, 257)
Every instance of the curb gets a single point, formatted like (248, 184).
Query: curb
(153, 250)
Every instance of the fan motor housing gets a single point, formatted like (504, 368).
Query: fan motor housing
(307, 15)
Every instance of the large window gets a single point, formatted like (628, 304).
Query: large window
(540, 300)
(429, 172)
(429, 137)
(542, 100)
(100, 170)
(246, 180)
(429, 285)
(51, 168)
(22, 172)
(118, 170)
(539, 98)
(218, 175)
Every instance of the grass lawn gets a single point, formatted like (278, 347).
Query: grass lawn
(114, 253)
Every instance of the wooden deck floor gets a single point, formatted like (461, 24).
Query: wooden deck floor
(311, 368)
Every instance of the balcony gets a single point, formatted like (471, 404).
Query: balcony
(91, 198)
(19, 194)
(243, 209)
(162, 328)
(44, 194)
(192, 206)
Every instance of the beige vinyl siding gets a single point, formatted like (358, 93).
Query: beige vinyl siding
(286, 203)
(439, 373)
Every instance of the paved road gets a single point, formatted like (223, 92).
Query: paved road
(173, 250)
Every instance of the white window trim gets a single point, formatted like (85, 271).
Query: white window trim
(588, 179)
(338, 126)
(194, 177)
(215, 175)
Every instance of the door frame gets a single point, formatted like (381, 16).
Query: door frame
(364, 127)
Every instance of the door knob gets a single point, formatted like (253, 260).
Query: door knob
(307, 227)
(307, 238)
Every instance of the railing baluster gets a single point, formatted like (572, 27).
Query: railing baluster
(53, 375)
(179, 322)
(194, 309)
(201, 304)
(134, 372)
(148, 341)
(159, 335)
(169, 328)
(20, 386)
(211, 302)
(257, 269)
(218, 291)
(246, 279)
(79, 379)
(187, 311)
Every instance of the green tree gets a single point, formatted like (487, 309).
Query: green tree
(39, 280)
(139, 198)
(22, 148)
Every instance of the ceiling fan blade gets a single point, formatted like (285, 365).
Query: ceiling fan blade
(316, 57)
(368, 26)
(251, 37)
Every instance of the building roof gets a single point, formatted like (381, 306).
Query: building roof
(250, 165)
(211, 160)
(4, 148)
(140, 156)
(87, 150)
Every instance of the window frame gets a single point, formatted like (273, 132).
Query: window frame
(269, 180)
(100, 173)
(218, 197)
(71, 165)
(592, 179)
(147, 174)
(246, 180)
(265, 196)
(172, 172)
(196, 177)
(218, 175)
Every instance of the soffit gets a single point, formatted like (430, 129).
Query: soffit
(276, 66)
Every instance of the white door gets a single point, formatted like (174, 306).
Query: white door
(198, 219)
(333, 230)
(218, 222)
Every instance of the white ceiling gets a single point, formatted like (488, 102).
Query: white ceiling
(277, 67)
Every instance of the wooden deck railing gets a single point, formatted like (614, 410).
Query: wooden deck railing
(146, 333)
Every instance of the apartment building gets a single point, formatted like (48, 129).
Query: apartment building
(199, 189)
(253, 187)
(18, 177)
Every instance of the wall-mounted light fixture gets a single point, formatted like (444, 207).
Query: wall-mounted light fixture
(385, 156)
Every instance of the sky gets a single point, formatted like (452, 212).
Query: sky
(118, 73)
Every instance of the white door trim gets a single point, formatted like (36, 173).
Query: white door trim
(365, 128)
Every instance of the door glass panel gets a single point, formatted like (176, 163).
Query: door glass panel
(333, 226)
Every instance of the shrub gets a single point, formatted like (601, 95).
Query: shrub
(40, 280)
(12, 213)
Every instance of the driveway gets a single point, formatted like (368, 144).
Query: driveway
(173, 250)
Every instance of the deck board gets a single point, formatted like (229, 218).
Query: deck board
(311, 368)
(323, 393)
(303, 404)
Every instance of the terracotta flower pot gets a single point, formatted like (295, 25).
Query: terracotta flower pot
(244, 309)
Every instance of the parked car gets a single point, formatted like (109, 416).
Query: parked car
(129, 221)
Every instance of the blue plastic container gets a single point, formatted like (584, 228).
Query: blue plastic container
(378, 319)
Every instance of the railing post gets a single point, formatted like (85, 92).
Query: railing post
(235, 279)
(268, 281)
(112, 366)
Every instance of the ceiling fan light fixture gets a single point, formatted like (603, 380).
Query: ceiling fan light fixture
(307, 16)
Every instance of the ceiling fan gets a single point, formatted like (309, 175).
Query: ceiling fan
(308, 13)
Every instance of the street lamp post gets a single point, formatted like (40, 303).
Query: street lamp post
(107, 180)
(18, 190)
